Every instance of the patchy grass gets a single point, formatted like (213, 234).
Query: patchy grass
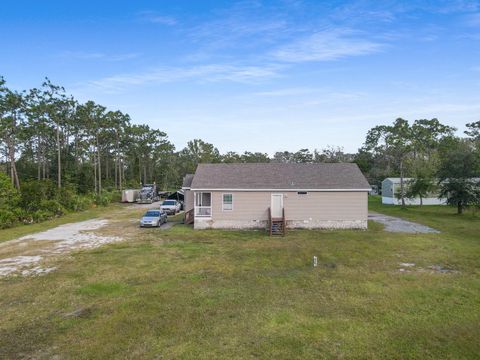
(22, 230)
(440, 217)
(103, 289)
(241, 294)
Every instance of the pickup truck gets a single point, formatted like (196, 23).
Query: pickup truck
(170, 206)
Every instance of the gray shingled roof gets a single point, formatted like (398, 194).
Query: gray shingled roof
(279, 176)
(187, 181)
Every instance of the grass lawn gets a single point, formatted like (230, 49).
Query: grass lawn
(241, 294)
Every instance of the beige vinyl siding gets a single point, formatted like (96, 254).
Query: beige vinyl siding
(312, 206)
(326, 206)
(188, 197)
(246, 206)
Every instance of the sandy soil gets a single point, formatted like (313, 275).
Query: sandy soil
(395, 224)
(36, 249)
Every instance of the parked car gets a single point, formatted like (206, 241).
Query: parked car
(153, 218)
(170, 206)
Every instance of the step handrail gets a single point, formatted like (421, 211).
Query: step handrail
(270, 220)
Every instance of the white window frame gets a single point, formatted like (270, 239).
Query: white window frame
(198, 208)
(223, 202)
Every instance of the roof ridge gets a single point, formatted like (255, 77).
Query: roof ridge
(313, 176)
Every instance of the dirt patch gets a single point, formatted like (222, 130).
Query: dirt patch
(405, 267)
(395, 224)
(45, 245)
(74, 236)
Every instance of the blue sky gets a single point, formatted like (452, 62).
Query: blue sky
(254, 75)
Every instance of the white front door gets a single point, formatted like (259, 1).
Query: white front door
(277, 205)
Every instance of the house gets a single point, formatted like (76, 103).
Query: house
(278, 196)
(391, 189)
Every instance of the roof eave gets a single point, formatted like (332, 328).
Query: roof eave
(272, 190)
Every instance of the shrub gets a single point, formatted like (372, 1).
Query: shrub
(52, 206)
(9, 197)
(103, 199)
(41, 215)
(7, 219)
(34, 191)
(74, 202)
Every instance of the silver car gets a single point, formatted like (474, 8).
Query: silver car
(153, 218)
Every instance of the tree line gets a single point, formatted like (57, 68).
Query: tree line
(429, 152)
(55, 146)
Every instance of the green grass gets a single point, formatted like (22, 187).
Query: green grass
(241, 294)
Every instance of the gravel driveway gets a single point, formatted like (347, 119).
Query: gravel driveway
(395, 224)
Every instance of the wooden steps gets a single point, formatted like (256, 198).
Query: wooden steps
(189, 218)
(278, 226)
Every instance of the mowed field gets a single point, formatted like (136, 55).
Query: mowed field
(188, 294)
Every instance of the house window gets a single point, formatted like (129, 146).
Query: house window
(203, 204)
(227, 203)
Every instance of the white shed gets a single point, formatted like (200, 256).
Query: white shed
(391, 189)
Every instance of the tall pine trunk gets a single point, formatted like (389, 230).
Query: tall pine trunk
(95, 173)
(140, 170)
(99, 168)
(402, 187)
(120, 173)
(115, 165)
(59, 160)
(11, 154)
(13, 167)
(39, 160)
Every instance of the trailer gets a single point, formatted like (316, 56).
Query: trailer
(130, 195)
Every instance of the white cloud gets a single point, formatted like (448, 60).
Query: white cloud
(153, 17)
(244, 24)
(453, 6)
(285, 92)
(327, 45)
(82, 55)
(203, 73)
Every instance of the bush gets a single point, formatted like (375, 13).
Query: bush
(42, 200)
(74, 202)
(103, 199)
(83, 202)
(41, 215)
(9, 197)
(7, 219)
(34, 191)
(52, 206)
(116, 196)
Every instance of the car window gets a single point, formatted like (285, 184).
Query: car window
(169, 202)
(152, 213)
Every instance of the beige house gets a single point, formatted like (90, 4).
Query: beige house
(277, 196)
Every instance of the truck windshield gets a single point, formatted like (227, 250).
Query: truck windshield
(169, 202)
